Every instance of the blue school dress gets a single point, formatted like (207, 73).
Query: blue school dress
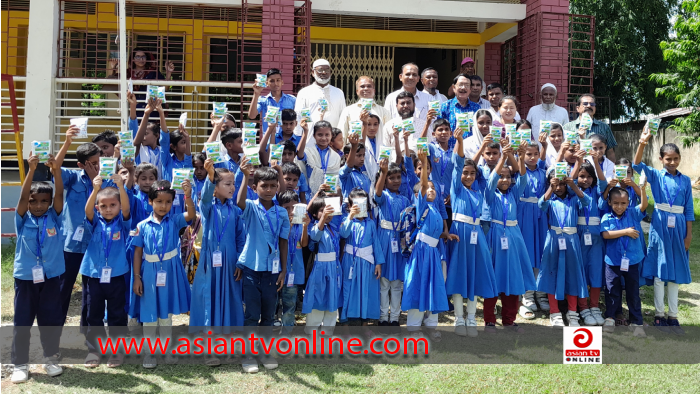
(351, 178)
(197, 187)
(563, 271)
(470, 270)
(391, 205)
(323, 288)
(592, 255)
(483, 174)
(295, 257)
(161, 251)
(362, 255)
(667, 258)
(424, 286)
(531, 216)
(512, 266)
(217, 298)
(441, 165)
(409, 179)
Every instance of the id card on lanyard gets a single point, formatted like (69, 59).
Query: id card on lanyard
(587, 238)
(275, 234)
(474, 236)
(295, 235)
(106, 274)
(161, 274)
(38, 269)
(217, 256)
(671, 217)
(624, 261)
(506, 207)
(562, 221)
(394, 225)
(357, 246)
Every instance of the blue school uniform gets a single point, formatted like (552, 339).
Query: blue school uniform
(139, 207)
(155, 156)
(234, 167)
(323, 288)
(217, 298)
(667, 258)
(409, 179)
(197, 187)
(470, 270)
(106, 246)
(161, 251)
(562, 272)
(531, 215)
(272, 224)
(390, 206)
(170, 162)
(295, 258)
(39, 242)
(303, 187)
(362, 254)
(352, 177)
(617, 248)
(424, 286)
(482, 176)
(512, 265)
(592, 255)
(441, 167)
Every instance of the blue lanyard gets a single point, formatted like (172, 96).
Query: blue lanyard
(359, 179)
(625, 239)
(374, 154)
(324, 164)
(106, 239)
(668, 195)
(218, 233)
(390, 207)
(40, 236)
(275, 232)
(506, 207)
(334, 240)
(358, 243)
(166, 229)
(534, 186)
(474, 203)
(587, 210)
(562, 220)
(443, 156)
(232, 165)
(295, 237)
(88, 184)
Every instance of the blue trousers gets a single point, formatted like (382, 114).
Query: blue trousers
(73, 261)
(95, 295)
(40, 301)
(613, 299)
(260, 297)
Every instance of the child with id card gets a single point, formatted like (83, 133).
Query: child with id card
(38, 268)
(160, 288)
(217, 294)
(624, 250)
(105, 270)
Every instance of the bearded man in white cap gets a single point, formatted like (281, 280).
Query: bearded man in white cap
(309, 96)
(548, 110)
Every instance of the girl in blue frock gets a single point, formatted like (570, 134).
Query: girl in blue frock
(591, 180)
(509, 254)
(216, 292)
(322, 294)
(391, 203)
(562, 273)
(530, 213)
(424, 286)
(161, 288)
(362, 263)
(667, 260)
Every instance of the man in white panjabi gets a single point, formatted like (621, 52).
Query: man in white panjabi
(548, 110)
(365, 90)
(309, 96)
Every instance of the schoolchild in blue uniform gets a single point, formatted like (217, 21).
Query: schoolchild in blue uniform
(217, 295)
(161, 288)
(145, 175)
(199, 178)
(511, 261)
(296, 274)
(562, 273)
(354, 174)
(667, 260)
(470, 270)
(390, 203)
(591, 180)
(106, 140)
(152, 140)
(176, 156)
(624, 250)
(37, 270)
(264, 257)
(105, 269)
(362, 261)
(491, 152)
(424, 287)
(440, 156)
(233, 142)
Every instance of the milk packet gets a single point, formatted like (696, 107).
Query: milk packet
(271, 114)
(180, 175)
(586, 121)
(213, 151)
(42, 149)
(334, 202)
(323, 104)
(82, 124)
(571, 136)
(653, 125)
(587, 146)
(434, 105)
(298, 213)
(156, 92)
(495, 133)
(305, 114)
(422, 144)
(183, 119)
(407, 125)
(511, 128)
(462, 120)
(385, 152)
(545, 126)
(356, 128)
(361, 202)
(332, 181)
(108, 167)
(126, 139)
(253, 154)
(261, 80)
(219, 109)
(366, 104)
(250, 137)
(127, 152)
(621, 172)
(249, 125)
(561, 170)
(276, 152)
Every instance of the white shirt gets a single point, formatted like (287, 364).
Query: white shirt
(483, 103)
(308, 98)
(418, 124)
(420, 99)
(608, 167)
(435, 97)
(538, 113)
(352, 112)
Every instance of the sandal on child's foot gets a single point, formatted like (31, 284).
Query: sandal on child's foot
(116, 360)
(621, 321)
(588, 318)
(637, 330)
(212, 361)
(526, 313)
(675, 326)
(92, 360)
(490, 327)
(598, 316)
(150, 362)
(556, 320)
(609, 325)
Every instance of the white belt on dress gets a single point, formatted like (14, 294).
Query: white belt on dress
(672, 209)
(427, 239)
(153, 258)
(330, 256)
(366, 253)
(592, 221)
(465, 219)
(567, 230)
(509, 223)
(387, 225)
(533, 200)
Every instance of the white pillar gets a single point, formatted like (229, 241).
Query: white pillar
(42, 58)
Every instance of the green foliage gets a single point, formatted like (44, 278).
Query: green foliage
(627, 37)
(680, 83)
(94, 103)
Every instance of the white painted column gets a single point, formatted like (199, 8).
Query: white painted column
(42, 58)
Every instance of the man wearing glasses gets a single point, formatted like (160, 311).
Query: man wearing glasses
(308, 98)
(461, 85)
(586, 104)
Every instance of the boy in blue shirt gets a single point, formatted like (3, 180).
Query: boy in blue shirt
(150, 135)
(105, 270)
(624, 250)
(106, 140)
(37, 270)
(264, 267)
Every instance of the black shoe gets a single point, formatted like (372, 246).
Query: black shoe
(662, 325)
(394, 324)
(383, 323)
(675, 326)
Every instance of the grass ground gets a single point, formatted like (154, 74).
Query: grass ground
(378, 378)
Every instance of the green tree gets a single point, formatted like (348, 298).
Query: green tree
(627, 52)
(681, 83)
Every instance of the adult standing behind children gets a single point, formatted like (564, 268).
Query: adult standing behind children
(365, 90)
(276, 98)
(409, 77)
(587, 104)
(429, 79)
(309, 96)
(548, 110)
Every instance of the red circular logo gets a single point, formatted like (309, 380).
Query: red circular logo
(584, 339)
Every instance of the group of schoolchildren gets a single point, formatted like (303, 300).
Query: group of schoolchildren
(463, 217)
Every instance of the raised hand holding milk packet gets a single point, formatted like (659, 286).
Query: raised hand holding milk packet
(545, 126)
(621, 172)
(250, 137)
(126, 139)
(253, 154)
(361, 202)
(408, 126)
(366, 104)
(422, 144)
(213, 151)
(180, 175)
(183, 119)
(586, 121)
(332, 181)
(334, 202)
(305, 114)
(495, 133)
(587, 146)
(42, 149)
(271, 114)
(571, 136)
(127, 152)
(653, 125)
(276, 152)
(356, 128)
(561, 170)
(323, 104)
(108, 167)
(82, 124)
(385, 152)
(462, 120)
(434, 105)
(249, 125)
(261, 80)
(298, 213)
(219, 109)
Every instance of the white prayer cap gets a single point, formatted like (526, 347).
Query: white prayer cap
(548, 85)
(321, 62)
